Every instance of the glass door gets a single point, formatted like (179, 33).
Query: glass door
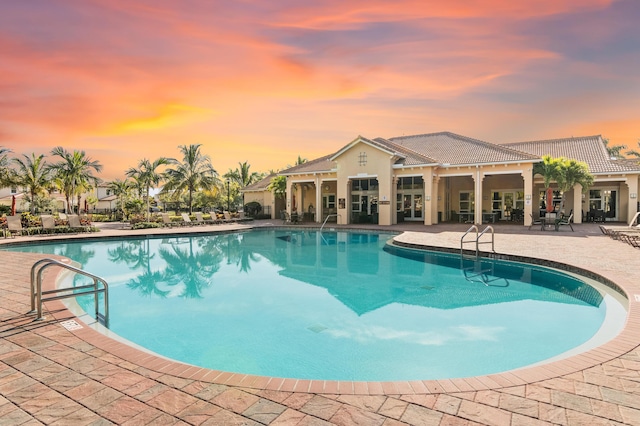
(412, 206)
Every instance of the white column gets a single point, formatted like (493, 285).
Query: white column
(289, 194)
(427, 203)
(434, 199)
(577, 203)
(318, 183)
(478, 178)
(527, 177)
(632, 183)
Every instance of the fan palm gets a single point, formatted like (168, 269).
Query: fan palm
(194, 173)
(74, 172)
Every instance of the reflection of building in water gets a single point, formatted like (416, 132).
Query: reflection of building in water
(347, 264)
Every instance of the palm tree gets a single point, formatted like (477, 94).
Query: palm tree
(278, 186)
(120, 189)
(147, 175)
(614, 151)
(33, 174)
(242, 176)
(194, 173)
(75, 173)
(633, 152)
(548, 169)
(5, 171)
(572, 172)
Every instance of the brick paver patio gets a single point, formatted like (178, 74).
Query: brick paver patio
(50, 375)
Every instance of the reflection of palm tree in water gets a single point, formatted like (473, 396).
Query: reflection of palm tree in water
(193, 270)
(238, 253)
(136, 254)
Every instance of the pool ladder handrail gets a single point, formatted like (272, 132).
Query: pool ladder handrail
(337, 215)
(37, 294)
(477, 239)
(486, 276)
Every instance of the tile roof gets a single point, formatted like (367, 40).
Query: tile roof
(322, 164)
(260, 185)
(450, 148)
(589, 149)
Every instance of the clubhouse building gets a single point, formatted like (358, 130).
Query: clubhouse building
(437, 177)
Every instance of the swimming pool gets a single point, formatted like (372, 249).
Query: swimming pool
(337, 306)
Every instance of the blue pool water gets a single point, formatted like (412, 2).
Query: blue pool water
(334, 306)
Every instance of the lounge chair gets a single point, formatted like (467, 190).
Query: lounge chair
(75, 224)
(228, 218)
(14, 226)
(614, 231)
(630, 238)
(186, 220)
(49, 224)
(167, 222)
(564, 221)
(534, 222)
(202, 221)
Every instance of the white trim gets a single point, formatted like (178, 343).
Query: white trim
(503, 172)
(362, 139)
(362, 177)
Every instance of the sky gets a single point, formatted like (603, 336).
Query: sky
(267, 81)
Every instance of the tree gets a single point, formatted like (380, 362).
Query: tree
(33, 174)
(633, 152)
(614, 151)
(74, 172)
(243, 176)
(549, 169)
(6, 173)
(278, 186)
(194, 173)
(120, 189)
(147, 175)
(572, 172)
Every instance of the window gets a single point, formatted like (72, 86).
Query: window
(329, 201)
(355, 203)
(413, 182)
(14, 190)
(362, 159)
(108, 192)
(466, 202)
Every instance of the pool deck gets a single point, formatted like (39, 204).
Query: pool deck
(52, 375)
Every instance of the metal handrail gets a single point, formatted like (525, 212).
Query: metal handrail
(477, 239)
(36, 289)
(488, 228)
(462, 241)
(337, 215)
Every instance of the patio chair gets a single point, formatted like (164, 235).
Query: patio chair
(564, 221)
(285, 216)
(75, 224)
(167, 222)
(228, 218)
(614, 231)
(539, 221)
(186, 220)
(14, 226)
(49, 224)
(632, 238)
(202, 221)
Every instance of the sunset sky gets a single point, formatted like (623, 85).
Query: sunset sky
(266, 81)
